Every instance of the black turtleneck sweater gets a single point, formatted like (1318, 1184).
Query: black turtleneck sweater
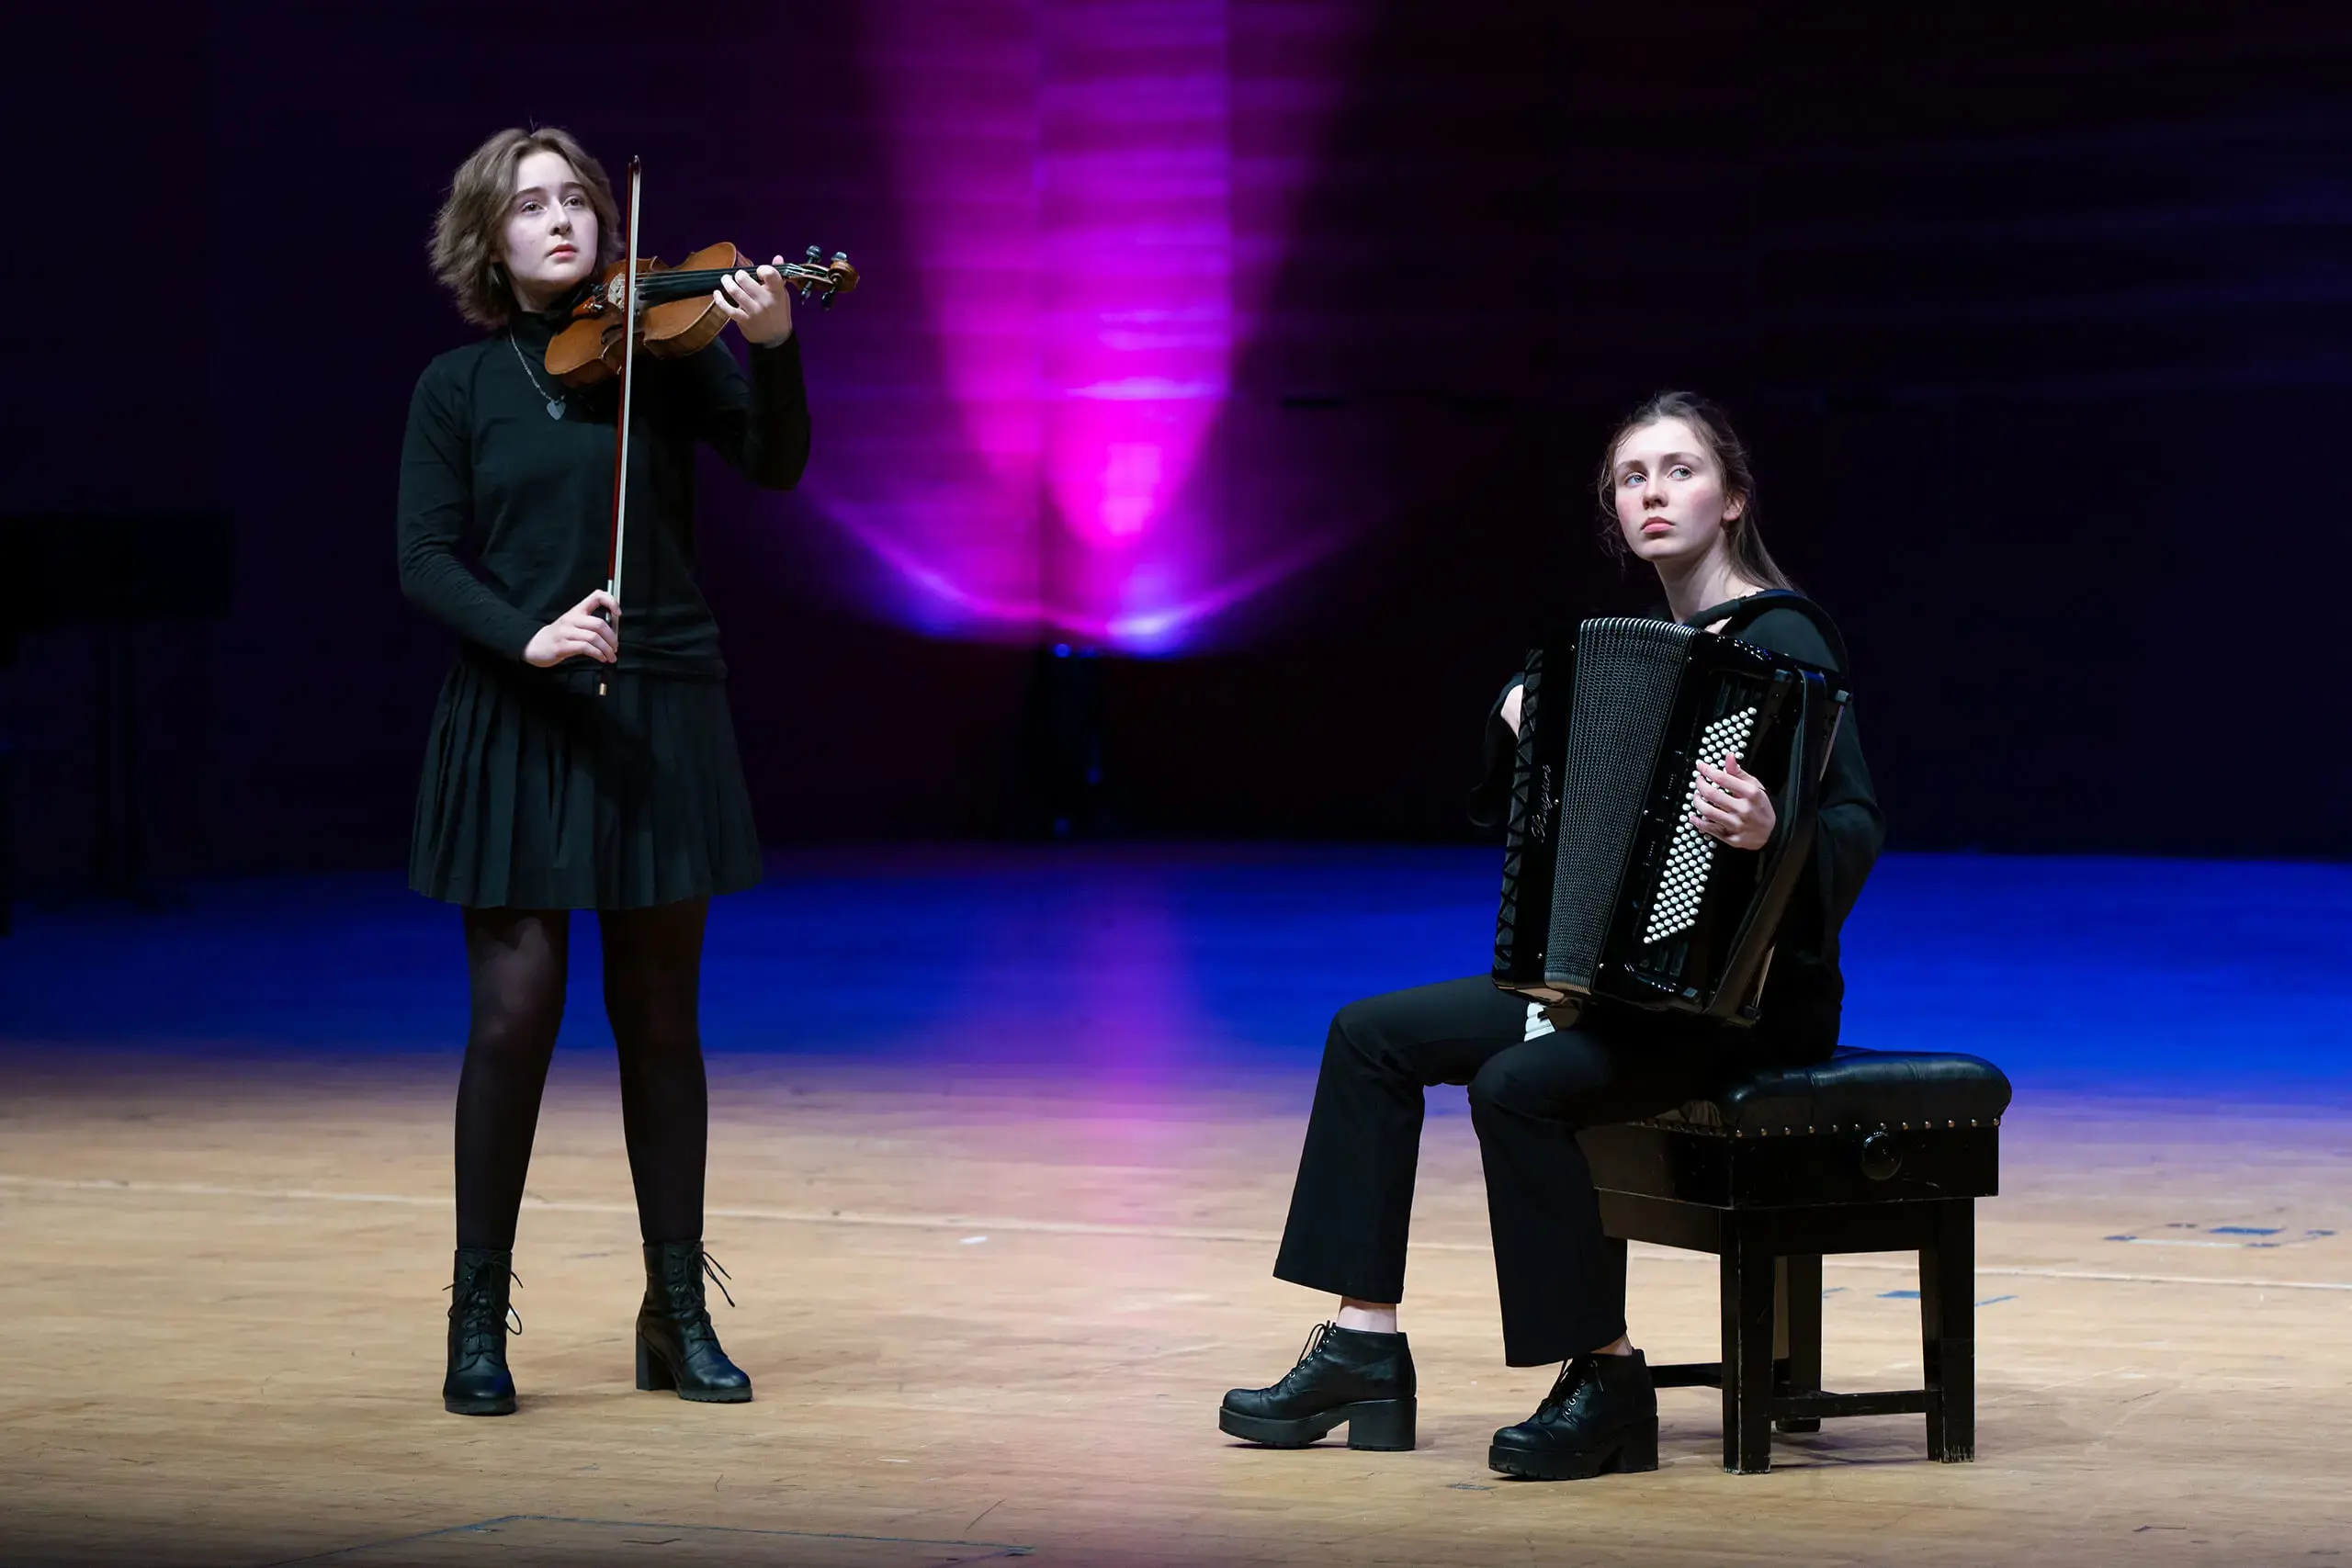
(505, 514)
(1804, 993)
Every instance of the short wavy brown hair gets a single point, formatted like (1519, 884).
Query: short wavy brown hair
(469, 232)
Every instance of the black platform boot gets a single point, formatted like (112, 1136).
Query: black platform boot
(477, 1383)
(1601, 1415)
(676, 1347)
(1344, 1374)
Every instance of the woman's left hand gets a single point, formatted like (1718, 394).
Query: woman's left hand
(759, 302)
(1731, 805)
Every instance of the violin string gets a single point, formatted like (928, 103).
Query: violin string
(703, 279)
(663, 288)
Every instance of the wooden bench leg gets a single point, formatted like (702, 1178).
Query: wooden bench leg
(1948, 1331)
(1746, 1290)
(1798, 1335)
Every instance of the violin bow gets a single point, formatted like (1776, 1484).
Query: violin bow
(616, 549)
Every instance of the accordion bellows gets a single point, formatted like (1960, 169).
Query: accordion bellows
(1607, 889)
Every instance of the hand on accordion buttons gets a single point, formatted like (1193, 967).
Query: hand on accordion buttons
(1729, 805)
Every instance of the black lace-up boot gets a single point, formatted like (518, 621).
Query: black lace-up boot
(477, 1383)
(1601, 1415)
(1343, 1375)
(676, 1347)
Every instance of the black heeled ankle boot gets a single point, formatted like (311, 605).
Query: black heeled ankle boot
(1601, 1415)
(477, 1383)
(676, 1347)
(1343, 1375)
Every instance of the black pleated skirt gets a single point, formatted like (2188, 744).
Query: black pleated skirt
(539, 794)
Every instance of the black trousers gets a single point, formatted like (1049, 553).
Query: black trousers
(1563, 1281)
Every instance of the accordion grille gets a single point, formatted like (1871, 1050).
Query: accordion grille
(1627, 674)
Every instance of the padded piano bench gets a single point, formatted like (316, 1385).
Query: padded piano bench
(1871, 1151)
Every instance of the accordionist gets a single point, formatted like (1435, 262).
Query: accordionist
(1676, 490)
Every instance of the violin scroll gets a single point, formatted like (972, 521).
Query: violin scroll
(837, 277)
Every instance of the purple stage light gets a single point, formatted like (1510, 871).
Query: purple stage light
(1065, 172)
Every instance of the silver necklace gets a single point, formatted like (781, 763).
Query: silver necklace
(555, 401)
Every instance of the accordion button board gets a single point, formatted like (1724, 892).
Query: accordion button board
(1674, 903)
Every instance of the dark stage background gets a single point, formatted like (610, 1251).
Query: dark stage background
(2039, 322)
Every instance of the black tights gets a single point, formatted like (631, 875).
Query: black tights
(517, 959)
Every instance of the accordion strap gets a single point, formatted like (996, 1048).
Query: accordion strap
(1746, 613)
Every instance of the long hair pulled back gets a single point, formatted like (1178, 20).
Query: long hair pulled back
(469, 232)
(1714, 427)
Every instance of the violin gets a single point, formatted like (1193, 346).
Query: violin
(676, 313)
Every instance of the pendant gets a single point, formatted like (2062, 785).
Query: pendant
(555, 408)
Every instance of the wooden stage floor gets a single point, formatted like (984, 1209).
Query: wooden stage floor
(990, 1315)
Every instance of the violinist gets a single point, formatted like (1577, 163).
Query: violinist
(582, 755)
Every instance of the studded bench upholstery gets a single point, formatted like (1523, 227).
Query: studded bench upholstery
(1871, 1151)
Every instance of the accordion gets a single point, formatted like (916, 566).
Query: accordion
(1607, 890)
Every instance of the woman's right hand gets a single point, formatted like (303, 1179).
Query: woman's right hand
(578, 633)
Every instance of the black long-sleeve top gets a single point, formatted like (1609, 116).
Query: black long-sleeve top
(505, 513)
(1804, 993)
